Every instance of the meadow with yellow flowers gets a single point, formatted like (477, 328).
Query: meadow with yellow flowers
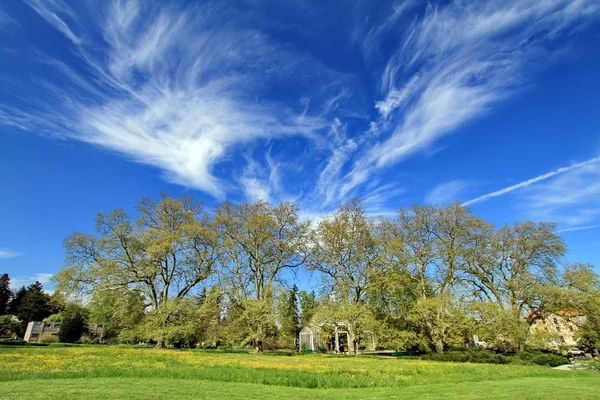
(127, 372)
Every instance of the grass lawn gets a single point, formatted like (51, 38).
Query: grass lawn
(105, 372)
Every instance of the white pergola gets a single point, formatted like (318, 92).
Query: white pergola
(311, 338)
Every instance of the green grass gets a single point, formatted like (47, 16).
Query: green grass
(120, 372)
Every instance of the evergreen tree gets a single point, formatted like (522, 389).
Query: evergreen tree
(17, 299)
(31, 304)
(5, 294)
(290, 324)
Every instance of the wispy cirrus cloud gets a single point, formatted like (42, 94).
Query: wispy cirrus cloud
(452, 65)
(195, 90)
(7, 253)
(54, 12)
(446, 193)
(529, 182)
(572, 199)
(578, 228)
(568, 195)
(5, 19)
(176, 88)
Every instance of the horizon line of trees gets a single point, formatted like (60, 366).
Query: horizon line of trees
(426, 279)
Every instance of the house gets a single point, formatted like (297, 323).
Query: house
(38, 330)
(48, 332)
(563, 325)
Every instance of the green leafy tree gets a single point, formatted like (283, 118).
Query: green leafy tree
(258, 243)
(578, 290)
(210, 310)
(9, 325)
(73, 325)
(308, 304)
(357, 320)
(164, 255)
(120, 312)
(176, 322)
(345, 251)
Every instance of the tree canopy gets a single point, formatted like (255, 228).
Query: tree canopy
(425, 279)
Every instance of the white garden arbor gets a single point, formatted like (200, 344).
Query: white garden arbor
(314, 338)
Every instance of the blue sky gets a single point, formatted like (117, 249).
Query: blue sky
(491, 103)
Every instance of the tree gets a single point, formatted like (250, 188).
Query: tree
(120, 312)
(427, 250)
(515, 268)
(513, 263)
(9, 325)
(210, 312)
(308, 304)
(176, 322)
(31, 303)
(290, 318)
(74, 324)
(578, 291)
(259, 243)
(439, 321)
(5, 294)
(164, 255)
(346, 252)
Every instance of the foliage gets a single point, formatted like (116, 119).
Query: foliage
(120, 312)
(5, 294)
(258, 244)
(427, 279)
(486, 357)
(31, 303)
(289, 315)
(74, 324)
(258, 318)
(9, 325)
(539, 358)
(593, 365)
(166, 253)
(502, 329)
(48, 338)
(489, 357)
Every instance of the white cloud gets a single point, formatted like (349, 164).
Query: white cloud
(171, 90)
(49, 10)
(6, 253)
(446, 193)
(18, 281)
(561, 197)
(188, 90)
(454, 65)
(6, 19)
(578, 228)
(572, 199)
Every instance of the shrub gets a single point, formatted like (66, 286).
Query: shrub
(540, 358)
(593, 365)
(473, 356)
(47, 338)
(489, 357)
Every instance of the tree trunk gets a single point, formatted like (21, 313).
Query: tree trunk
(351, 341)
(160, 344)
(439, 346)
(259, 346)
